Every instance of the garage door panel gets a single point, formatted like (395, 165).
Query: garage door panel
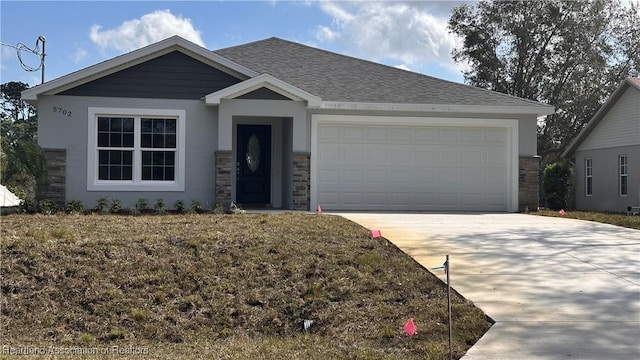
(383, 167)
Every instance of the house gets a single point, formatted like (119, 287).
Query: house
(606, 153)
(277, 124)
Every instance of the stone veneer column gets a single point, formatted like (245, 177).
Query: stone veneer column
(57, 177)
(301, 196)
(528, 183)
(224, 177)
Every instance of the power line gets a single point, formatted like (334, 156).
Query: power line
(20, 47)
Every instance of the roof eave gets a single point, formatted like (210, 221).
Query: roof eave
(130, 59)
(263, 80)
(539, 110)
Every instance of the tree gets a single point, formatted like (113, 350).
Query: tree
(556, 185)
(22, 164)
(570, 54)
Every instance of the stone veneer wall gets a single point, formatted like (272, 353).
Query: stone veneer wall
(224, 169)
(57, 178)
(529, 170)
(301, 196)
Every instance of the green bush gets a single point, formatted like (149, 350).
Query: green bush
(142, 205)
(73, 207)
(179, 206)
(217, 208)
(159, 207)
(102, 205)
(28, 206)
(196, 207)
(48, 207)
(116, 206)
(556, 185)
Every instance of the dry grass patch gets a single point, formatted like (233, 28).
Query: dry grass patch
(198, 286)
(618, 219)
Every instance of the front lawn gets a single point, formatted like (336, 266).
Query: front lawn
(624, 220)
(211, 286)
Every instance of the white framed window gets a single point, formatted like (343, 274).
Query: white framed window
(136, 149)
(623, 171)
(588, 176)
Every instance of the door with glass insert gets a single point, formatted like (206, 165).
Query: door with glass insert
(253, 164)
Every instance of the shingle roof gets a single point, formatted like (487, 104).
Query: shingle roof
(335, 77)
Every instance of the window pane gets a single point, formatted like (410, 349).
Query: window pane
(116, 125)
(169, 158)
(145, 140)
(103, 172)
(158, 158)
(170, 126)
(103, 139)
(158, 141)
(146, 173)
(158, 126)
(103, 157)
(115, 172)
(103, 124)
(115, 140)
(158, 173)
(115, 157)
(127, 140)
(127, 157)
(127, 173)
(623, 185)
(127, 125)
(169, 173)
(170, 141)
(146, 158)
(146, 125)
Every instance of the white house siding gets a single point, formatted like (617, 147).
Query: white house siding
(69, 132)
(605, 193)
(620, 126)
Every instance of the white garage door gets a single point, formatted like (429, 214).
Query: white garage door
(382, 167)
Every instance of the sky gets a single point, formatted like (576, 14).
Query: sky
(407, 34)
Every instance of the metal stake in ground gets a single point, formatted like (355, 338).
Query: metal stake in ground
(446, 270)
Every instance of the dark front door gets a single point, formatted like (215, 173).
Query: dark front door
(253, 166)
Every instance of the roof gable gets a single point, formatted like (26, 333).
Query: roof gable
(174, 75)
(629, 84)
(136, 57)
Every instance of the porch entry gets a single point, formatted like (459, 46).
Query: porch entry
(253, 165)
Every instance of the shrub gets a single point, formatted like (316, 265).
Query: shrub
(28, 206)
(159, 207)
(179, 206)
(217, 208)
(48, 207)
(73, 207)
(142, 204)
(102, 205)
(116, 206)
(556, 179)
(196, 206)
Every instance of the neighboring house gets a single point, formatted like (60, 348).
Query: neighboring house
(606, 153)
(278, 124)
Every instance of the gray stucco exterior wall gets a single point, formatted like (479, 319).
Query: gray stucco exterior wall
(68, 130)
(605, 195)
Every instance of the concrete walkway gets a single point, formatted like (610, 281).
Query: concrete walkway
(557, 288)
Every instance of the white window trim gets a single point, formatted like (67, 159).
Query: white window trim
(621, 175)
(588, 163)
(94, 184)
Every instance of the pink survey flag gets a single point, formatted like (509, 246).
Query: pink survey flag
(410, 327)
(561, 212)
(376, 234)
(319, 210)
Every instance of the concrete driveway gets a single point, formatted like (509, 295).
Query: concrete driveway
(557, 288)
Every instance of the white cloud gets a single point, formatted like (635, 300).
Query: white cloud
(79, 55)
(403, 67)
(411, 33)
(324, 33)
(150, 28)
